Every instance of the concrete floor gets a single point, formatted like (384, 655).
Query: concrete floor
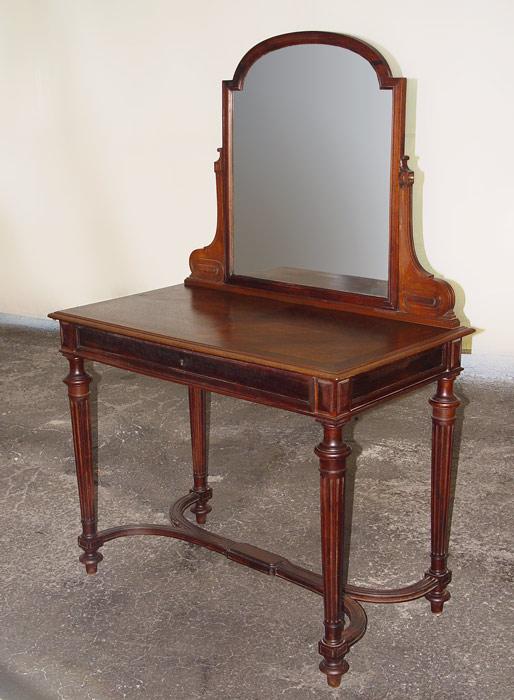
(164, 619)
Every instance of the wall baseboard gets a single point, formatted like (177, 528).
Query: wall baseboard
(487, 367)
(46, 324)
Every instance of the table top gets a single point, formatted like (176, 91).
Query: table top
(314, 341)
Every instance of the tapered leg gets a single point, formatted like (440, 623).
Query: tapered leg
(198, 416)
(444, 406)
(332, 453)
(78, 391)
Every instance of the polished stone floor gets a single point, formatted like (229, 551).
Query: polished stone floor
(163, 619)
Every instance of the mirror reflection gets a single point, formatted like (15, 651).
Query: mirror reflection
(311, 171)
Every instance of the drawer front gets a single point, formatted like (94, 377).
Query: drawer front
(235, 377)
(390, 379)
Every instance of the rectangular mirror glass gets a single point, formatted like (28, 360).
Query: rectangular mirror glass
(311, 166)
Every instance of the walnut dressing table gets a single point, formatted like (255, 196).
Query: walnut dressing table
(325, 330)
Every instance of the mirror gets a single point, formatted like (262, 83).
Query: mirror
(311, 171)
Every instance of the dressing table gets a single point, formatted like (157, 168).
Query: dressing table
(309, 299)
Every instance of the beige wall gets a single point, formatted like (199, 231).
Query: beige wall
(110, 120)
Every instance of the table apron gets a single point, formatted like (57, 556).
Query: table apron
(325, 399)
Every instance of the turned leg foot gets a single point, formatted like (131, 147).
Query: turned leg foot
(201, 508)
(332, 453)
(90, 558)
(437, 600)
(198, 418)
(78, 391)
(335, 668)
(444, 406)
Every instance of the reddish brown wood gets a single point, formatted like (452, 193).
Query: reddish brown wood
(291, 347)
(246, 554)
(444, 406)
(325, 343)
(332, 453)
(325, 281)
(78, 391)
(198, 417)
(370, 53)
(420, 293)
(208, 262)
(263, 560)
(392, 595)
(278, 289)
(413, 293)
(335, 398)
(327, 364)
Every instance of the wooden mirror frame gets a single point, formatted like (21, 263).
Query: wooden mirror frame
(413, 293)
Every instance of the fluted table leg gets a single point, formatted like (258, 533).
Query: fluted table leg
(198, 417)
(332, 453)
(78, 391)
(444, 406)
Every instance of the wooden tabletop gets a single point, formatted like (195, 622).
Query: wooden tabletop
(309, 340)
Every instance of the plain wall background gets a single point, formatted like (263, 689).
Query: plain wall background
(111, 117)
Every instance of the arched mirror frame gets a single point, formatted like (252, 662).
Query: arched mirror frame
(413, 293)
